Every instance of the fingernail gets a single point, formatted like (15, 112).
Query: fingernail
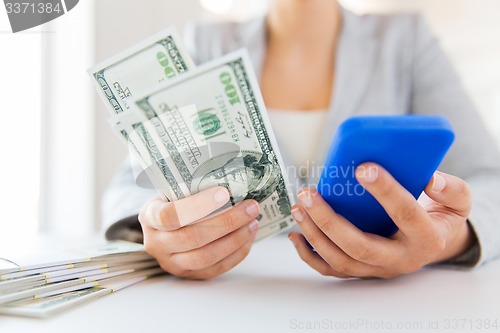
(293, 241)
(253, 226)
(253, 209)
(306, 199)
(367, 174)
(438, 183)
(221, 196)
(297, 215)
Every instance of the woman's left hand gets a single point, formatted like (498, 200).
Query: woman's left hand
(432, 230)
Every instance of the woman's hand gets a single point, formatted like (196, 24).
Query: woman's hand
(189, 247)
(431, 230)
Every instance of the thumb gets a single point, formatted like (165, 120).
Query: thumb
(450, 191)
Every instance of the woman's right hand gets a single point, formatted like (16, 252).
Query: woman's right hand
(187, 245)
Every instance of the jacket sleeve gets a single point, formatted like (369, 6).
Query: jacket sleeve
(474, 155)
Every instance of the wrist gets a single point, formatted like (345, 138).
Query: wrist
(465, 239)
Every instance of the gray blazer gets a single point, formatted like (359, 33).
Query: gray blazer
(385, 64)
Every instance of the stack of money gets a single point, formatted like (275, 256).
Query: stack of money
(43, 284)
(193, 128)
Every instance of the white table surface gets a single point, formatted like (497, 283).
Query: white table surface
(274, 291)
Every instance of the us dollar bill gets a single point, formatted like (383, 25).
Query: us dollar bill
(215, 132)
(45, 307)
(140, 68)
(55, 301)
(141, 146)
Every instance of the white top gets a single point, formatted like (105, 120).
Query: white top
(300, 134)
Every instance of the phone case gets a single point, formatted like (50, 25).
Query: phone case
(410, 147)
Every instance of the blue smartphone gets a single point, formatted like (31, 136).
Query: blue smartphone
(409, 147)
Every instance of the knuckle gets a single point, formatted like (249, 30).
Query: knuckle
(410, 267)
(245, 250)
(142, 215)
(201, 276)
(388, 261)
(178, 263)
(235, 241)
(467, 195)
(388, 274)
(223, 267)
(405, 213)
(363, 253)
(323, 221)
(464, 188)
(145, 211)
(226, 265)
(435, 242)
(387, 188)
(168, 215)
(184, 266)
(188, 238)
(182, 273)
(406, 265)
(437, 246)
(165, 267)
(324, 271)
(200, 260)
(345, 267)
(192, 275)
(229, 219)
(304, 256)
(148, 246)
(169, 266)
(313, 239)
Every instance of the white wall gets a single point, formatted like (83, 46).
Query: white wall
(66, 205)
(469, 31)
(20, 75)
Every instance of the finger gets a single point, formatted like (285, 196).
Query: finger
(312, 258)
(331, 253)
(150, 241)
(214, 252)
(199, 234)
(224, 265)
(400, 204)
(451, 192)
(368, 248)
(163, 215)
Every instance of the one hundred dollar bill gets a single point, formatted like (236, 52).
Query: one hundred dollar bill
(56, 260)
(76, 284)
(45, 307)
(215, 132)
(77, 272)
(53, 302)
(146, 146)
(141, 68)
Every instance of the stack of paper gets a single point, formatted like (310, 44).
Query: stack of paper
(40, 285)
